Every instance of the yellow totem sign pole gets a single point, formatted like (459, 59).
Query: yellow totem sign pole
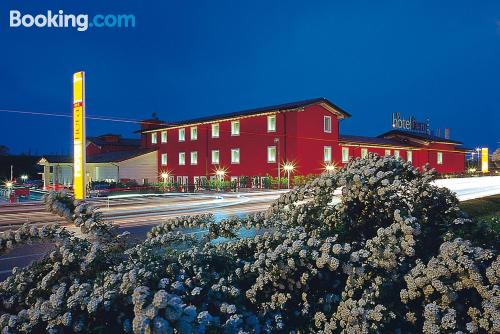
(79, 183)
(484, 160)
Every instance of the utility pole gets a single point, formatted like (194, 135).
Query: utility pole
(277, 142)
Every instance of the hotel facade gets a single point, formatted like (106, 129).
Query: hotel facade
(305, 134)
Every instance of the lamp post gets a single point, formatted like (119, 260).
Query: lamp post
(478, 158)
(164, 176)
(9, 185)
(220, 173)
(288, 167)
(277, 142)
(329, 168)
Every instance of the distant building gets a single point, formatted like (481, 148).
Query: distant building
(109, 158)
(111, 143)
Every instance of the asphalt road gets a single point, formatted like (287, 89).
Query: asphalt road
(133, 214)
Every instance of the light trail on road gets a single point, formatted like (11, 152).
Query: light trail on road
(136, 216)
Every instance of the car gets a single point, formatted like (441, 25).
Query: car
(34, 184)
(100, 190)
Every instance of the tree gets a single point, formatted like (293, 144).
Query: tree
(4, 150)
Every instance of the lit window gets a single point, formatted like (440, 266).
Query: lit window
(271, 154)
(327, 124)
(215, 157)
(194, 158)
(154, 138)
(345, 154)
(164, 159)
(194, 133)
(182, 158)
(271, 123)
(409, 156)
(235, 128)
(182, 134)
(396, 154)
(235, 156)
(215, 130)
(327, 154)
(387, 152)
(364, 153)
(164, 136)
(440, 158)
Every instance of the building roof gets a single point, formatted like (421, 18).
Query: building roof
(119, 141)
(371, 141)
(418, 135)
(99, 158)
(256, 111)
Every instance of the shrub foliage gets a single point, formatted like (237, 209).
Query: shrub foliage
(387, 257)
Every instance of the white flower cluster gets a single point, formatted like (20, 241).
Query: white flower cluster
(459, 290)
(59, 203)
(381, 260)
(28, 234)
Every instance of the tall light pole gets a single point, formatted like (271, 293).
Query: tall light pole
(11, 172)
(288, 167)
(277, 142)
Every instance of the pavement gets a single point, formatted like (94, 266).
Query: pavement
(138, 213)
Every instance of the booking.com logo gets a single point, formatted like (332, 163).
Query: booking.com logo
(61, 20)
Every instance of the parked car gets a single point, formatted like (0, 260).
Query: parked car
(100, 190)
(34, 184)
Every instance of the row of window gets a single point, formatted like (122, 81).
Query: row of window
(364, 154)
(235, 156)
(235, 131)
(271, 156)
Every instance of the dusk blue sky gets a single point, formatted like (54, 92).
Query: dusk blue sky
(431, 59)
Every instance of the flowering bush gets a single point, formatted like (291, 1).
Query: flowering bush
(386, 258)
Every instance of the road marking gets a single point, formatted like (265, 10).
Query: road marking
(21, 256)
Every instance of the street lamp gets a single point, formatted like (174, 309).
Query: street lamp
(24, 178)
(164, 176)
(329, 167)
(220, 173)
(9, 185)
(478, 157)
(288, 167)
(277, 142)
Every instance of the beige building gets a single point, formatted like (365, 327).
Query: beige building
(138, 165)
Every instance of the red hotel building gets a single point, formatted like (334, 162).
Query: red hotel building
(250, 143)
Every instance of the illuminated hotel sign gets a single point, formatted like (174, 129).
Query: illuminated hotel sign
(79, 184)
(484, 160)
(409, 124)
